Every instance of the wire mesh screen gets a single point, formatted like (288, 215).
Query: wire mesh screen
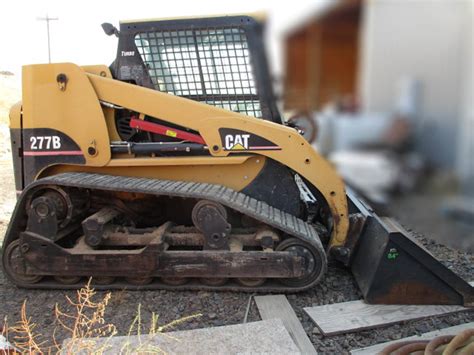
(207, 65)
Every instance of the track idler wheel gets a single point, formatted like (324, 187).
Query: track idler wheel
(15, 266)
(139, 281)
(68, 280)
(103, 280)
(211, 219)
(315, 263)
(214, 281)
(251, 281)
(175, 281)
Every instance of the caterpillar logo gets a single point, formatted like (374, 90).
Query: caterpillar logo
(236, 140)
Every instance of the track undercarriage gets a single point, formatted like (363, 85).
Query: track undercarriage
(149, 234)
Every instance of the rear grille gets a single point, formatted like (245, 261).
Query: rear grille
(123, 127)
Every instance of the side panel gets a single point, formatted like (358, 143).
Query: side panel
(43, 147)
(276, 186)
(60, 97)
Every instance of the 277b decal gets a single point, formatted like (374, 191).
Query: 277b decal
(48, 142)
(45, 142)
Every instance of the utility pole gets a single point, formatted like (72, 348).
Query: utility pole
(47, 19)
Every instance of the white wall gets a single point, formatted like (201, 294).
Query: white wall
(465, 159)
(424, 40)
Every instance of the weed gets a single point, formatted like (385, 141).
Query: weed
(86, 327)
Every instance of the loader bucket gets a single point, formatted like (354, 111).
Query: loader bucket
(391, 267)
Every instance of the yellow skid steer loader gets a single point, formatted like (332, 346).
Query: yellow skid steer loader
(173, 169)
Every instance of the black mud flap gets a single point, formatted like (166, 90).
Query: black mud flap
(391, 267)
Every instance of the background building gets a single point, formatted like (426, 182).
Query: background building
(370, 51)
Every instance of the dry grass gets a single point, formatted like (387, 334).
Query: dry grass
(24, 333)
(145, 345)
(86, 322)
(87, 329)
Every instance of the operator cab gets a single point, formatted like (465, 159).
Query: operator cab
(219, 61)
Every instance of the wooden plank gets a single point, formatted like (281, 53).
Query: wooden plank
(374, 349)
(357, 315)
(264, 337)
(278, 307)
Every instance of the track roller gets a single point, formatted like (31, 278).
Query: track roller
(68, 280)
(175, 281)
(14, 265)
(214, 281)
(139, 281)
(251, 282)
(103, 280)
(315, 262)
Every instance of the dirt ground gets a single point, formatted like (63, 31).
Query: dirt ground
(222, 308)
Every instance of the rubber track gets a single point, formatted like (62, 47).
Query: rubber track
(240, 202)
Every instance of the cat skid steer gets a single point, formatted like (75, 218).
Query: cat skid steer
(173, 169)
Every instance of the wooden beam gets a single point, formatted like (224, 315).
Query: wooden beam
(278, 307)
(352, 316)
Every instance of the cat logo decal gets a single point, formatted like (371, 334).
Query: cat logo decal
(236, 140)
